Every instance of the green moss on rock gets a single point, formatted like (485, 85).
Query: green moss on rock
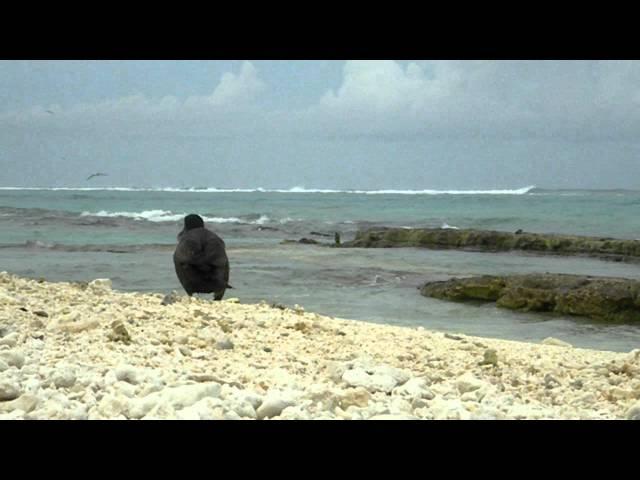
(600, 298)
(492, 241)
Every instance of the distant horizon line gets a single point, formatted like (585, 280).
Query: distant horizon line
(300, 189)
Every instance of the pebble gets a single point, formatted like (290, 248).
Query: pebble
(64, 378)
(468, 383)
(273, 404)
(177, 397)
(550, 381)
(633, 413)
(389, 416)
(79, 413)
(252, 398)
(25, 403)
(31, 385)
(207, 408)
(10, 340)
(452, 337)
(490, 357)
(100, 284)
(135, 375)
(13, 415)
(359, 377)
(420, 403)
(415, 388)
(170, 299)
(556, 342)
(295, 412)
(375, 378)
(125, 389)
(12, 358)
(112, 405)
(8, 391)
(225, 344)
(359, 397)
(399, 406)
(245, 410)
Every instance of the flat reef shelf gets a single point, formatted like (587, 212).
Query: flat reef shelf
(494, 241)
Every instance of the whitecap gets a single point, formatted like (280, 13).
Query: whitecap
(301, 190)
(446, 226)
(169, 216)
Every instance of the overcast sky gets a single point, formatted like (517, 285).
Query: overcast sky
(321, 124)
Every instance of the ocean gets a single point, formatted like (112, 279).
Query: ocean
(128, 235)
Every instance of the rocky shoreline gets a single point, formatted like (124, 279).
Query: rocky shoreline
(492, 241)
(85, 351)
(613, 300)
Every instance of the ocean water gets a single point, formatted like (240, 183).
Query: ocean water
(128, 235)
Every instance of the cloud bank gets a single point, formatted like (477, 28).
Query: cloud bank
(519, 99)
(384, 124)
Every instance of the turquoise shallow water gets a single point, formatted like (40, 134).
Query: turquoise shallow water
(129, 236)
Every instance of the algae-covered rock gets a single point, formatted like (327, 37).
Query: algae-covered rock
(303, 241)
(119, 333)
(486, 288)
(492, 241)
(608, 299)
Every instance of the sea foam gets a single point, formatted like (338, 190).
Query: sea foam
(301, 190)
(169, 216)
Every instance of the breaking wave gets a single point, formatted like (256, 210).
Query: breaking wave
(446, 226)
(169, 216)
(518, 191)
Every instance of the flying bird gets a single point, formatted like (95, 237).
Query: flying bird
(200, 259)
(49, 111)
(96, 175)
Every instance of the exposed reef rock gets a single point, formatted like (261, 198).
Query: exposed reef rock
(304, 241)
(600, 298)
(491, 241)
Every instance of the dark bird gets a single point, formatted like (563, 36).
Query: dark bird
(50, 112)
(96, 175)
(200, 259)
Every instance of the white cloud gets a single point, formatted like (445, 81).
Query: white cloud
(377, 85)
(460, 98)
(242, 87)
(388, 99)
(233, 94)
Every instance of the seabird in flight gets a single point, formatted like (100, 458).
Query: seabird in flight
(96, 175)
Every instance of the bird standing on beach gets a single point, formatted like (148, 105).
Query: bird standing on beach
(200, 259)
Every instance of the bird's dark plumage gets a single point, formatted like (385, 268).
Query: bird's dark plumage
(201, 260)
(96, 175)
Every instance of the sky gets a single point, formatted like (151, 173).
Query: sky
(375, 124)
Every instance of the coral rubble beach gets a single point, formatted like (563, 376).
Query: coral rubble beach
(84, 351)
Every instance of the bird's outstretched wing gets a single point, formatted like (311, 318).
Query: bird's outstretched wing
(96, 175)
